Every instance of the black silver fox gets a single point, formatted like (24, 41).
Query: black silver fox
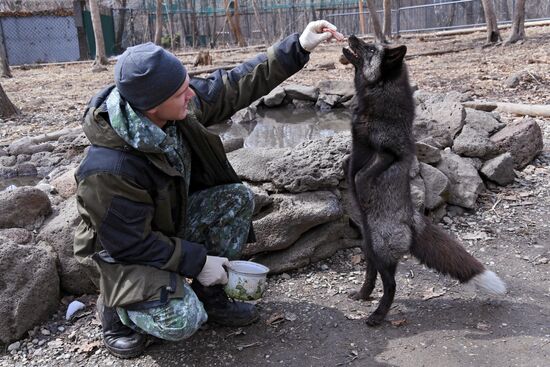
(378, 174)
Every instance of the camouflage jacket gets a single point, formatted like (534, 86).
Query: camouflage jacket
(134, 203)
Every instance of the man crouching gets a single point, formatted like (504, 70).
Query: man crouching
(159, 201)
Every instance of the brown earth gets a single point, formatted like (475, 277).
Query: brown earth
(307, 317)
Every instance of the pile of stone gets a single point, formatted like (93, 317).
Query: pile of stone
(302, 212)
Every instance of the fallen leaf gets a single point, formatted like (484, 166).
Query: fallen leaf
(356, 259)
(398, 323)
(275, 318)
(88, 347)
(430, 293)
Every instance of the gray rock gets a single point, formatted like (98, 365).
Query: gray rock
(8, 161)
(3, 152)
(244, 115)
(65, 184)
(450, 116)
(438, 213)
(418, 193)
(261, 197)
(415, 168)
(26, 169)
(481, 120)
(345, 89)
(523, 139)
(427, 153)
(23, 206)
(30, 288)
(318, 243)
(436, 186)
(27, 146)
(59, 234)
(300, 104)
(476, 162)
(20, 236)
(275, 97)
(474, 143)
(250, 163)
(232, 144)
(325, 100)
(513, 80)
(291, 216)
(426, 129)
(312, 165)
(45, 162)
(465, 183)
(22, 158)
(301, 92)
(499, 169)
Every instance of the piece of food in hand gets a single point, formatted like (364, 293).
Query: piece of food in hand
(337, 35)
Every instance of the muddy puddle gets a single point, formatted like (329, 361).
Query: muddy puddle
(285, 127)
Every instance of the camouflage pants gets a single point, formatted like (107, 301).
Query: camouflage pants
(218, 217)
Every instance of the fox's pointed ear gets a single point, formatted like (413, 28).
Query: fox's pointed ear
(393, 56)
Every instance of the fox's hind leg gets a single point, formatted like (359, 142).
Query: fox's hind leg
(387, 273)
(369, 283)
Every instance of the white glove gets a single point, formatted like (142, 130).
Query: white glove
(213, 271)
(313, 34)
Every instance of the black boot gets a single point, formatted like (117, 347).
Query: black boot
(120, 340)
(223, 310)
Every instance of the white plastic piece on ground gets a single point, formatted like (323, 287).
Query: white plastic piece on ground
(489, 282)
(74, 306)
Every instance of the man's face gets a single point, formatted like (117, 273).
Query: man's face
(175, 107)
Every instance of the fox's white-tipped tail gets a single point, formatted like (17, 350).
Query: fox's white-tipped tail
(489, 282)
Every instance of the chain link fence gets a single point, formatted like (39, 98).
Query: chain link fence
(60, 35)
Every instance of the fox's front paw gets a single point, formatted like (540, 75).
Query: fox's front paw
(375, 319)
(359, 295)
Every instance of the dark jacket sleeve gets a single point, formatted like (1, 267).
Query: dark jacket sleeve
(121, 212)
(225, 92)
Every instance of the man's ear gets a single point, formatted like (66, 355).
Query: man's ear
(393, 56)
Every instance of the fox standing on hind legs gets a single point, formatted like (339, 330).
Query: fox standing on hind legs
(382, 153)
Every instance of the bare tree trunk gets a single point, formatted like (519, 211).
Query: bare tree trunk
(7, 108)
(375, 22)
(120, 25)
(493, 34)
(232, 13)
(387, 18)
(5, 71)
(170, 24)
(100, 58)
(158, 23)
(518, 23)
(361, 18)
(214, 36)
(259, 21)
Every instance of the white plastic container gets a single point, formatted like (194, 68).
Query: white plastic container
(247, 280)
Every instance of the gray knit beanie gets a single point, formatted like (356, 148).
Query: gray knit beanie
(147, 75)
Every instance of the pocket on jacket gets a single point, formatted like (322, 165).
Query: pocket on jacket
(124, 224)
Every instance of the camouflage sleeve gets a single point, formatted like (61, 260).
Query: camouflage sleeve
(121, 213)
(225, 92)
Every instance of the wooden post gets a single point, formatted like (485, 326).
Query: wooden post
(83, 50)
(361, 18)
(5, 71)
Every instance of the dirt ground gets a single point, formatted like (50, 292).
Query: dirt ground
(307, 318)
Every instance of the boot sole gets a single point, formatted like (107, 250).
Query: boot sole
(127, 353)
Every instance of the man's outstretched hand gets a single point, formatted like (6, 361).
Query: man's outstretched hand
(213, 271)
(315, 33)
